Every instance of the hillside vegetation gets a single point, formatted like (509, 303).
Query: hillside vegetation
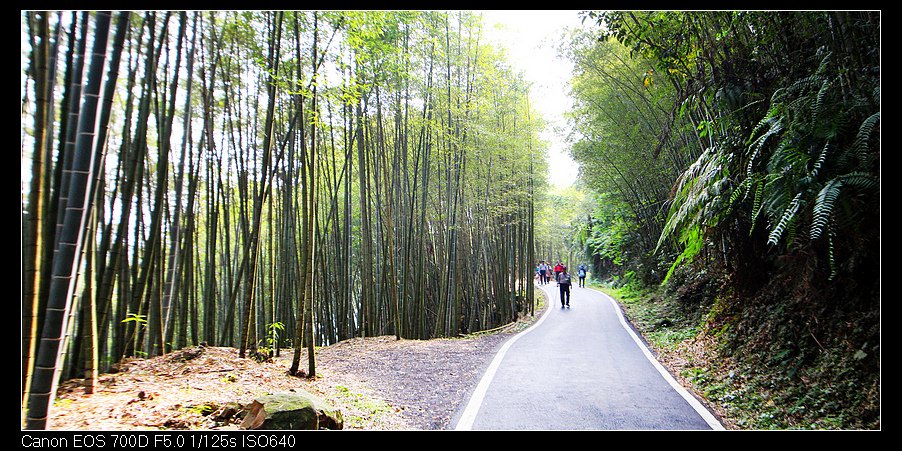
(734, 159)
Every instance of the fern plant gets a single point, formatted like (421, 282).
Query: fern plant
(813, 150)
(803, 159)
(700, 200)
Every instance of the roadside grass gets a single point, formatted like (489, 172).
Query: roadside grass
(656, 320)
(368, 411)
(748, 387)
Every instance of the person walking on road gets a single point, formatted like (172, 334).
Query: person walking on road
(564, 284)
(558, 268)
(543, 272)
(582, 275)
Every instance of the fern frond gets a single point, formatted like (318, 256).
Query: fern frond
(823, 207)
(810, 82)
(860, 180)
(799, 104)
(772, 115)
(790, 234)
(801, 85)
(788, 216)
(777, 195)
(830, 246)
(775, 99)
(816, 167)
(757, 204)
(824, 64)
(860, 146)
(741, 190)
(787, 158)
(696, 199)
(775, 127)
(818, 108)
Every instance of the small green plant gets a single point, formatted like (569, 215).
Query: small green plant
(202, 409)
(229, 377)
(135, 318)
(265, 353)
(272, 338)
(272, 333)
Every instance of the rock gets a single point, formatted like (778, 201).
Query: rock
(290, 411)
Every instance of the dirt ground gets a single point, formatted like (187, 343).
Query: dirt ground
(378, 383)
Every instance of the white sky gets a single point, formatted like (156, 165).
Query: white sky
(531, 38)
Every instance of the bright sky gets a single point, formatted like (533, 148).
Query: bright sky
(531, 38)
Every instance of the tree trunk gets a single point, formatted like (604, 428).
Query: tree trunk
(253, 248)
(34, 211)
(176, 253)
(67, 259)
(153, 248)
(311, 224)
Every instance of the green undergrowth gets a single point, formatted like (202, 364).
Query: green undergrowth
(769, 362)
(371, 409)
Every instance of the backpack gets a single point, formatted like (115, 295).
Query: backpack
(582, 272)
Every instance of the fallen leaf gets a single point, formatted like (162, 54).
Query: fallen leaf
(255, 416)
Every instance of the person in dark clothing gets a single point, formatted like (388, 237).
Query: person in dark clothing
(564, 284)
(582, 276)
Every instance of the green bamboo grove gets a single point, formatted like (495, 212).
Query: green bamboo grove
(266, 180)
(729, 136)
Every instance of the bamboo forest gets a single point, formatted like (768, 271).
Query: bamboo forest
(286, 184)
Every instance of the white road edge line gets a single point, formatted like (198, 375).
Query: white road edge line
(465, 423)
(702, 411)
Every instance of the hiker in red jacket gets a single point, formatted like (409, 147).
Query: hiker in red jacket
(558, 269)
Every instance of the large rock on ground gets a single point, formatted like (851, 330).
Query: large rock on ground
(291, 410)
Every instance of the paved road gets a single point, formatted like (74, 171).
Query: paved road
(576, 369)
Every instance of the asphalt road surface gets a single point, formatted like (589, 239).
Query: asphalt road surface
(580, 368)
